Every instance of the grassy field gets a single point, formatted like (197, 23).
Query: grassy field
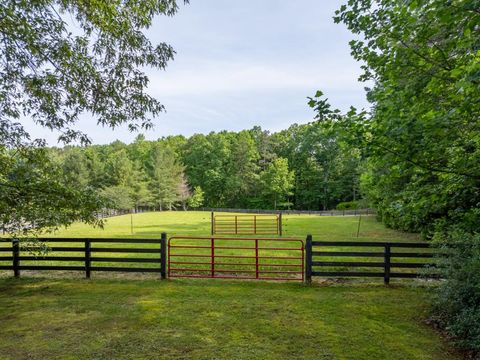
(151, 224)
(203, 319)
(113, 315)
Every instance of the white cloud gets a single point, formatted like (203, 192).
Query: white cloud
(226, 77)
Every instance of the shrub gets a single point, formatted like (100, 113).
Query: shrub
(457, 304)
(347, 205)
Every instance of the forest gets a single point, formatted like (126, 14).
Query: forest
(304, 167)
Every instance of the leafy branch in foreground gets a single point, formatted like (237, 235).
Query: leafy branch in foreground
(62, 58)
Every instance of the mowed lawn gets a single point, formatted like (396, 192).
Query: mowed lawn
(213, 319)
(138, 316)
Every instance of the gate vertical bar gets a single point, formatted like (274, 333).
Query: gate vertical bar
(236, 225)
(256, 259)
(87, 258)
(308, 260)
(303, 263)
(212, 257)
(16, 255)
(280, 225)
(255, 224)
(212, 221)
(163, 257)
(386, 278)
(169, 265)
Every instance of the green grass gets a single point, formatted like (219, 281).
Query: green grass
(152, 224)
(202, 319)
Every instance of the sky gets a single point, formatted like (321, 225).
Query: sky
(241, 64)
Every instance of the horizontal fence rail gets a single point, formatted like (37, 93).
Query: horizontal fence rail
(23, 253)
(378, 259)
(246, 224)
(236, 258)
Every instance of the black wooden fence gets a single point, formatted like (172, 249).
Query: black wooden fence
(388, 259)
(20, 252)
(353, 212)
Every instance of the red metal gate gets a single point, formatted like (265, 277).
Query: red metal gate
(236, 258)
(250, 224)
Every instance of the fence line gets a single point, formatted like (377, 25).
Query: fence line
(87, 250)
(315, 250)
(387, 259)
(355, 212)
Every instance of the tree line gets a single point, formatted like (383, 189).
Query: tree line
(302, 167)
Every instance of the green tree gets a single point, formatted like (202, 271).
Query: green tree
(241, 178)
(183, 192)
(119, 168)
(278, 182)
(119, 197)
(139, 191)
(166, 175)
(196, 200)
(34, 197)
(74, 167)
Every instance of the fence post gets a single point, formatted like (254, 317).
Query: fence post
(308, 260)
(16, 255)
(163, 256)
(386, 276)
(88, 263)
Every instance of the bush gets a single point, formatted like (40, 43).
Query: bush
(457, 304)
(347, 205)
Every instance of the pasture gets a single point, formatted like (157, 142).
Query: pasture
(139, 316)
(197, 223)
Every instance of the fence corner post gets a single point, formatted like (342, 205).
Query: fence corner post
(308, 260)
(387, 256)
(88, 262)
(163, 256)
(16, 256)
